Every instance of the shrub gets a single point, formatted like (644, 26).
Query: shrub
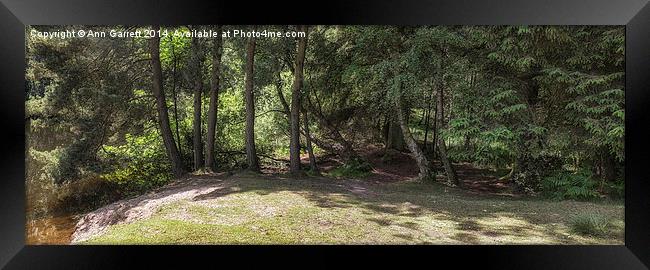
(533, 169)
(568, 185)
(47, 196)
(83, 194)
(137, 166)
(615, 189)
(355, 167)
(590, 224)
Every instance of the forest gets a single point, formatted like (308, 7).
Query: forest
(326, 134)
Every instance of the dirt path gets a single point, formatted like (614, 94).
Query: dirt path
(482, 181)
(400, 166)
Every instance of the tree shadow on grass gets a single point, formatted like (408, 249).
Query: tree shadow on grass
(463, 208)
(383, 204)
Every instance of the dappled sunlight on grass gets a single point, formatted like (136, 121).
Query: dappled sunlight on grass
(317, 210)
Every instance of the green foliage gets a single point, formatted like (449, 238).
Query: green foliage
(571, 185)
(592, 224)
(355, 168)
(138, 165)
(46, 197)
(489, 147)
(615, 189)
(83, 195)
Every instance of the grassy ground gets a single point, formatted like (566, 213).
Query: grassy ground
(254, 209)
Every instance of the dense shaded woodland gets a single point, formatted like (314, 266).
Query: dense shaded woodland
(539, 109)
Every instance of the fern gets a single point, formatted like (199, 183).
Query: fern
(569, 185)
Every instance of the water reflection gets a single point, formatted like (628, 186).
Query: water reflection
(51, 230)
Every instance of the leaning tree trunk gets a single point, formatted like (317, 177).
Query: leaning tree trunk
(195, 64)
(161, 107)
(442, 148)
(214, 102)
(278, 90)
(346, 151)
(418, 155)
(251, 153)
(294, 144)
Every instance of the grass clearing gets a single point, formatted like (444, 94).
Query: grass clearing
(257, 209)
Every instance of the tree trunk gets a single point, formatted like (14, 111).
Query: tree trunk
(423, 117)
(310, 149)
(608, 165)
(435, 132)
(251, 153)
(442, 148)
(178, 133)
(385, 130)
(395, 136)
(214, 102)
(467, 145)
(449, 170)
(196, 61)
(348, 153)
(283, 101)
(527, 174)
(427, 121)
(161, 106)
(294, 145)
(418, 155)
(468, 139)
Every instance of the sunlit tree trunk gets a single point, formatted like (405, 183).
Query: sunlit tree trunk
(418, 155)
(161, 107)
(294, 144)
(251, 153)
(217, 50)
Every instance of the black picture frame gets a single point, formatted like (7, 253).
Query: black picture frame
(634, 14)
